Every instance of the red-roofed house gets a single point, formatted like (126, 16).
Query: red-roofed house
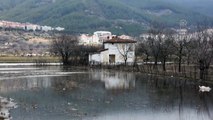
(116, 51)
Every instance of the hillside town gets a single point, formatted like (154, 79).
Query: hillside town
(27, 26)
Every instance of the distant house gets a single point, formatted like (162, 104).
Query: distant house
(46, 28)
(116, 51)
(103, 35)
(59, 29)
(96, 39)
(90, 40)
(33, 27)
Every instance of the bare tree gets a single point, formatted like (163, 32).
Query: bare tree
(189, 47)
(64, 46)
(203, 52)
(125, 50)
(143, 49)
(166, 49)
(181, 45)
(155, 41)
(154, 45)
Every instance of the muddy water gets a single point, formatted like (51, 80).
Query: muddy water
(56, 93)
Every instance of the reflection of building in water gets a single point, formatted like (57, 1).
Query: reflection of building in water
(38, 82)
(24, 84)
(115, 80)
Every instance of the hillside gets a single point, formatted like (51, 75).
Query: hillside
(200, 6)
(20, 42)
(118, 16)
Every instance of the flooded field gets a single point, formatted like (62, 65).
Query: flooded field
(57, 93)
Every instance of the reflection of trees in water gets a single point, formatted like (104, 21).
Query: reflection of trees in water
(205, 104)
(70, 82)
(168, 93)
(24, 84)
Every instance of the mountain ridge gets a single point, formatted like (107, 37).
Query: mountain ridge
(118, 16)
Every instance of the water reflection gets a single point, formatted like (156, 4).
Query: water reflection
(7, 86)
(115, 80)
(169, 95)
(91, 96)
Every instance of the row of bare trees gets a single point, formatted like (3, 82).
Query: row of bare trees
(163, 46)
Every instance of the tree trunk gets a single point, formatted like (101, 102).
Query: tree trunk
(202, 69)
(156, 61)
(147, 58)
(201, 74)
(179, 63)
(206, 74)
(188, 61)
(65, 60)
(164, 64)
(125, 61)
(180, 59)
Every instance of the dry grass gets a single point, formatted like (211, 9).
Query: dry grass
(37, 40)
(15, 59)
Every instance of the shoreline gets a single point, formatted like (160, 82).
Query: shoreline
(30, 64)
(33, 59)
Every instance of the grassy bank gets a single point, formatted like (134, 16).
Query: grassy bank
(17, 59)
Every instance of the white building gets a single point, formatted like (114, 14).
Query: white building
(33, 27)
(86, 39)
(182, 31)
(102, 33)
(46, 28)
(116, 51)
(1, 23)
(96, 39)
(103, 36)
(59, 29)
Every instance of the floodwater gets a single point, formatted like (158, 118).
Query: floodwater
(57, 93)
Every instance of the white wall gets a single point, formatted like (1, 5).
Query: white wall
(114, 49)
(105, 57)
(95, 58)
(1, 24)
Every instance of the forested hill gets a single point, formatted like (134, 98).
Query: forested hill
(119, 16)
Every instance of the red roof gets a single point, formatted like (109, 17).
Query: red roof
(119, 40)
